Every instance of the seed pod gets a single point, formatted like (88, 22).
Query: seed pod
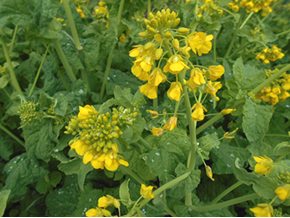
(182, 30)
(175, 43)
(167, 35)
(176, 22)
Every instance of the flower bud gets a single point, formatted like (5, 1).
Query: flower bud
(149, 45)
(167, 35)
(151, 30)
(182, 30)
(147, 22)
(151, 16)
(143, 34)
(175, 43)
(154, 23)
(158, 53)
(209, 172)
(176, 22)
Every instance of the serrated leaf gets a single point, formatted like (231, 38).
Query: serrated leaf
(125, 194)
(207, 143)
(22, 170)
(4, 81)
(282, 148)
(122, 98)
(256, 120)
(239, 72)
(6, 147)
(61, 105)
(91, 51)
(3, 200)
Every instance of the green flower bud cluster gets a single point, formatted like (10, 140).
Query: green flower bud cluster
(284, 177)
(160, 23)
(28, 111)
(125, 116)
(278, 212)
(73, 126)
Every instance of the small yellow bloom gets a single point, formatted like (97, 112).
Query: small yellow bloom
(215, 72)
(157, 131)
(209, 172)
(157, 77)
(81, 12)
(200, 42)
(283, 192)
(175, 65)
(153, 113)
(149, 90)
(122, 38)
(171, 123)
(107, 201)
(175, 90)
(80, 147)
(146, 192)
(264, 165)
(85, 111)
(137, 51)
(139, 72)
(158, 53)
(227, 111)
(212, 87)
(98, 212)
(101, 3)
(146, 62)
(196, 77)
(112, 161)
(263, 210)
(198, 113)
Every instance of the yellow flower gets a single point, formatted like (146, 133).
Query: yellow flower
(227, 111)
(175, 90)
(146, 192)
(149, 90)
(112, 161)
(175, 65)
(157, 77)
(81, 12)
(139, 72)
(196, 77)
(101, 3)
(80, 147)
(157, 131)
(200, 42)
(98, 212)
(137, 51)
(85, 111)
(263, 210)
(153, 113)
(264, 165)
(215, 72)
(283, 192)
(107, 201)
(212, 87)
(171, 123)
(209, 172)
(184, 50)
(122, 38)
(146, 62)
(198, 113)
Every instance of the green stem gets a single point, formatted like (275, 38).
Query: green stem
(246, 20)
(286, 125)
(145, 143)
(38, 72)
(155, 104)
(234, 36)
(148, 8)
(239, 49)
(15, 83)
(225, 192)
(273, 7)
(85, 78)
(214, 49)
(287, 31)
(282, 156)
(209, 123)
(64, 60)
(110, 57)
(170, 212)
(64, 81)
(279, 135)
(226, 203)
(270, 79)
(72, 25)
(13, 38)
(131, 173)
(7, 93)
(12, 135)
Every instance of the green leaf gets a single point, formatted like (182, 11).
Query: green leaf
(61, 104)
(282, 148)
(139, 98)
(207, 143)
(123, 97)
(125, 194)
(6, 147)
(239, 72)
(3, 200)
(224, 157)
(42, 186)
(187, 185)
(138, 126)
(256, 120)
(22, 170)
(106, 105)
(91, 51)
(4, 81)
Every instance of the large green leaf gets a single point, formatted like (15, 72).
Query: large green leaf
(3, 200)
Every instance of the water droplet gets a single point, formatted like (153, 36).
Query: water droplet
(228, 165)
(90, 200)
(185, 142)
(157, 154)
(144, 158)
(287, 105)
(35, 166)
(217, 147)
(197, 143)
(127, 83)
(56, 150)
(108, 78)
(185, 116)
(210, 100)
(152, 160)
(144, 211)
(255, 115)
(143, 106)
(14, 162)
(232, 155)
(114, 75)
(60, 192)
(11, 168)
(161, 196)
(167, 143)
(169, 105)
(81, 91)
(85, 209)
(68, 44)
(165, 170)
(74, 108)
(200, 149)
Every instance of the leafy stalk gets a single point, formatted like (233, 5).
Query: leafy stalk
(12, 135)
(13, 38)
(72, 25)
(64, 61)
(131, 173)
(15, 83)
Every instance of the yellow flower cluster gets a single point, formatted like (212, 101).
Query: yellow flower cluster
(277, 90)
(101, 13)
(252, 5)
(209, 7)
(104, 202)
(97, 134)
(270, 54)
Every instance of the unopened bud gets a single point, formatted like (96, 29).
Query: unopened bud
(151, 30)
(151, 16)
(182, 30)
(168, 23)
(149, 45)
(143, 34)
(158, 53)
(154, 23)
(209, 172)
(147, 22)
(175, 43)
(167, 35)
(176, 22)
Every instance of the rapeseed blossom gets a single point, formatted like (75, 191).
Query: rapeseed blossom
(146, 192)
(263, 210)
(283, 192)
(264, 165)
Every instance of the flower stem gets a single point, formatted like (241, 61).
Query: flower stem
(225, 192)
(282, 165)
(209, 123)
(239, 49)
(72, 24)
(64, 61)
(145, 143)
(273, 7)
(287, 31)
(249, 16)
(148, 8)
(270, 79)
(13, 38)
(12, 135)
(15, 83)
(155, 104)
(85, 78)
(64, 81)
(278, 135)
(226, 203)
(38, 72)
(214, 49)
(131, 173)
